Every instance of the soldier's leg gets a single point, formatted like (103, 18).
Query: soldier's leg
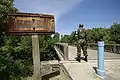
(84, 48)
(78, 50)
(78, 53)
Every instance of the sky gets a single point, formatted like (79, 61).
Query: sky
(70, 13)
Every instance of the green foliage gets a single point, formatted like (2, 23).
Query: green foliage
(56, 36)
(108, 35)
(15, 58)
(16, 52)
(115, 33)
(98, 34)
(47, 48)
(65, 39)
(69, 38)
(6, 7)
(72, 37)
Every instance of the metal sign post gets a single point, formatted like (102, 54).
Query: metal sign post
(36, 57)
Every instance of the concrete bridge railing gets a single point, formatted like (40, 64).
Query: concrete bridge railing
(113, 48)
(62, 50)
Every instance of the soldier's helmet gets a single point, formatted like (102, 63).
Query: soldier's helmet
(81, 25)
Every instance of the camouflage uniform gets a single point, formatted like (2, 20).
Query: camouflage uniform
(81, 41)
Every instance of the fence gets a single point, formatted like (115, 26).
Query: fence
(113, 48)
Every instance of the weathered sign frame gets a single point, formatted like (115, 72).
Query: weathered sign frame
(30, 24)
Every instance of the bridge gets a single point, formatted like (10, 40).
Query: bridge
(86, 70)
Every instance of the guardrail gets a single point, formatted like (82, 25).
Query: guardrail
(113, 48)
(62, 50)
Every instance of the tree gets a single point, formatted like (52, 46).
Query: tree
(98, 34)
(65, 39)
(16, 52)
(72, 38)
(56, 36)
(115, 33)
(14, 60)
(6, 7)
(47, 48)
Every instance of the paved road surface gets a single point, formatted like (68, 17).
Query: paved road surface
(85, 71)
(92, 54)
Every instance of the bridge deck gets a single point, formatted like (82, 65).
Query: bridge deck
(85, 71)
(92, 54)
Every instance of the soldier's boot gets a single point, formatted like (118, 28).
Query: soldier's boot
(86, 58)
(79, 58)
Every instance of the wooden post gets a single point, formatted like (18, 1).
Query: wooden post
(36, 57)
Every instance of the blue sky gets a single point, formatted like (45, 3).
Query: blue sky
(70, 13)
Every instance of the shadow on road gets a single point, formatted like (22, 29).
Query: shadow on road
(95, 68)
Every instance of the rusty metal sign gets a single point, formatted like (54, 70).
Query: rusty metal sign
(29, 23)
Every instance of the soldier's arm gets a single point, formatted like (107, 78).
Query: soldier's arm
(86, 35)
(76, 35)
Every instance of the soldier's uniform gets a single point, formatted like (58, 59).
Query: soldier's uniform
(81, 42)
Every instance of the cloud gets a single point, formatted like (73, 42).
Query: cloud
(55, 7)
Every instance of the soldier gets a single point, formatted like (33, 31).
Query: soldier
(81, 42)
